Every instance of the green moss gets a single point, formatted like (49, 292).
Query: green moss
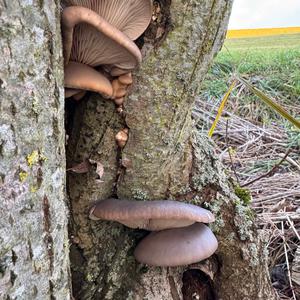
(243, 194)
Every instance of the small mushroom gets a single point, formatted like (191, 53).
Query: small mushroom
(82, 77)
(150, 215)
(177, 247)
(119, 89)
(120, 110)
(126, 78)
(122, 137)
(119, 101)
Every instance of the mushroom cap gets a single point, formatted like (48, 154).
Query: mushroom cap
(126, 78)
(132, 17)
(83, 77)
(71, 92)
(96, 42)
(177, 247)
(150, 215)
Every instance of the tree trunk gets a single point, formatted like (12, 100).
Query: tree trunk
(34, 261)
(164, 158)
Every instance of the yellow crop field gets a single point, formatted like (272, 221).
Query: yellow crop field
(244, 33)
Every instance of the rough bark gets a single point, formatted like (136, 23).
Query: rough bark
(164, 158)
(34, 261)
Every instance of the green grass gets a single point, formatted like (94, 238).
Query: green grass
(271, 63)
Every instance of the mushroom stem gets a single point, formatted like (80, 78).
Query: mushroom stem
(74, 15)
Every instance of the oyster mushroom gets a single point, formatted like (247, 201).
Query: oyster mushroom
(100, 33)
(82, 77)
(177, 247)
(131, 17)
(150, 215)
(96, 42)
(179, 236)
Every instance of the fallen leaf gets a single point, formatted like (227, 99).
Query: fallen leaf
(99, 168)
(81, 168)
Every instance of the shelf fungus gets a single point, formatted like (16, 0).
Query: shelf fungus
(179, 237)
(99, 35)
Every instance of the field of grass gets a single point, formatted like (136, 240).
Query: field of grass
(259, 147)
(272, 63)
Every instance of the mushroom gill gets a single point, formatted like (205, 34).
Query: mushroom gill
(131, 17)
(96, 42)
(100, 33)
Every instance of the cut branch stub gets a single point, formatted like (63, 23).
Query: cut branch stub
(177, 247)
(150, 215)
(96, 42)
(82, 77)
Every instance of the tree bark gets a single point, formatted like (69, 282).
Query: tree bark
(34, 262)
(164, 158)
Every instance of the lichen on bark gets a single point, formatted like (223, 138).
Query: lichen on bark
(34, 261)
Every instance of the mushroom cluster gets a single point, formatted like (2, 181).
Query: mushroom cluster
(179, 236)
(99, 51)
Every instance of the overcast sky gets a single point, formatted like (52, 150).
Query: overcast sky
(264, 13)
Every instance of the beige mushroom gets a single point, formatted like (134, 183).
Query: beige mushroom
(131, 17)
(82, 77)
(79, 95)
(96, 42)
(71, 92)
(119, 89)
(100, 33)
(122, 137)
(119, 101)
(126, 78)
(177, 247)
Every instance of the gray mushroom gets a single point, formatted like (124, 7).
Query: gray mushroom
(150, 215)
(177, 247)
(179, 238)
